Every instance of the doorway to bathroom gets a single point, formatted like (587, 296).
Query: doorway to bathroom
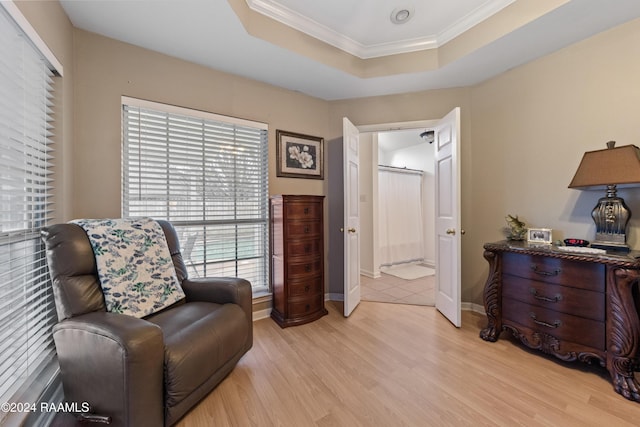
(397, 185)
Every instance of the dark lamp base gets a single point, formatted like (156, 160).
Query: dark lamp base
(611, 216)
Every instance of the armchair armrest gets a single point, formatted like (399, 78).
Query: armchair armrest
(103, 354)
(221, 290)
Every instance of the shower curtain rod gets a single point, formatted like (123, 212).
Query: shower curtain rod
(397, 169)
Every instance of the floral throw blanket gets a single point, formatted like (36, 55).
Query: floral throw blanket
(134, 264)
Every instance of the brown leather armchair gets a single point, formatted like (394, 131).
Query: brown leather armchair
(149, 371)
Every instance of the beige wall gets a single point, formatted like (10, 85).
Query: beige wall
(107, 69)
(523, 133)
(530, 128)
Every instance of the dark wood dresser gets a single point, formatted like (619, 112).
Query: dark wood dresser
(575, 306)
(297, 259)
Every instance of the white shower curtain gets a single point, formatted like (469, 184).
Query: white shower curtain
(400, 219)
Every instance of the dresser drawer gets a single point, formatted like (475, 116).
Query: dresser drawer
(301, 229)
(302, 210)
(576, 274)
(303, 307)
(308, 287)
(563, 326)
(578, 302)
(307, 268)
(296, 248)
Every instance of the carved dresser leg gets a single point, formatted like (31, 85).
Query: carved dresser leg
(492, 297)
(623, 331)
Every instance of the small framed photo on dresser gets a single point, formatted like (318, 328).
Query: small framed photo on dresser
(539, 235)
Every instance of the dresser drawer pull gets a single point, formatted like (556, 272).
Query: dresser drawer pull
(307, 268)
(307, 307)
(545, 273)
(307, 288)
(555, 324)
(537, 296)
(306, 211)
(307, 248)
(307, 229)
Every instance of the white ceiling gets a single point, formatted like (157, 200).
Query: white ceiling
(399, 139)
(209, 33)
(366, 30)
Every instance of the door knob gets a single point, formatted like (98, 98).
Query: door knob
(351, 230)
(451, 231)
(462, 232)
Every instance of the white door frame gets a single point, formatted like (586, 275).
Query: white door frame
(418, 124)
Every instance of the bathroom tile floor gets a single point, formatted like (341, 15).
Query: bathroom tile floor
(393, 289)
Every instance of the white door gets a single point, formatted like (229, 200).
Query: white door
(351, 229)
(448, 226)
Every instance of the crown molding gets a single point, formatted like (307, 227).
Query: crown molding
(293, 19)
(472, 19)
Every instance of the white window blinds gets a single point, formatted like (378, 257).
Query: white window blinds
(207, 174)
(27, 310)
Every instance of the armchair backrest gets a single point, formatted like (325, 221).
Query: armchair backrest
(72, 267)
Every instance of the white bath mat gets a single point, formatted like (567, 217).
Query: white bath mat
(408, 271)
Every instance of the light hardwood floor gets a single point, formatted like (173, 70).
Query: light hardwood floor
(404, 365)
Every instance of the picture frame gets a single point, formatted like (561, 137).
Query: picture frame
(299, 155)
(539, 235)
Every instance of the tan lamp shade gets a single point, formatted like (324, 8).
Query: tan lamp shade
(611, 166)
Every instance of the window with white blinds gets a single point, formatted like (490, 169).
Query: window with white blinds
(208, 175)
(27, 309)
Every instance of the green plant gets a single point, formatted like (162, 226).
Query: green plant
(516, 229)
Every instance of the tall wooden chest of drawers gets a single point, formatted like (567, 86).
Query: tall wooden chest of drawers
(297, 259)
(575, 306)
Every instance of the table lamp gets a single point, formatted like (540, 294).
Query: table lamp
(609, 168)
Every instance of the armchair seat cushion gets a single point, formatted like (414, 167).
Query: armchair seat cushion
(199, 337)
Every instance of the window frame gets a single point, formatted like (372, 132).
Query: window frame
(195, 235)
(38, 376)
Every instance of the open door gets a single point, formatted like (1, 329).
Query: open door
(448, 224)
(351, 228)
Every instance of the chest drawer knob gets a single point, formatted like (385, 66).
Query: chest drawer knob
(555, 324)
(537, 296)
(535, 269)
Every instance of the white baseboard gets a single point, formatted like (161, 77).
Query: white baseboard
(371, 274)
(265, 313)
(334, 297)
(466, 306)
(471, 306)
(261, 314)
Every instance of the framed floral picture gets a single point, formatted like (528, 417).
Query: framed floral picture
(299, 156)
